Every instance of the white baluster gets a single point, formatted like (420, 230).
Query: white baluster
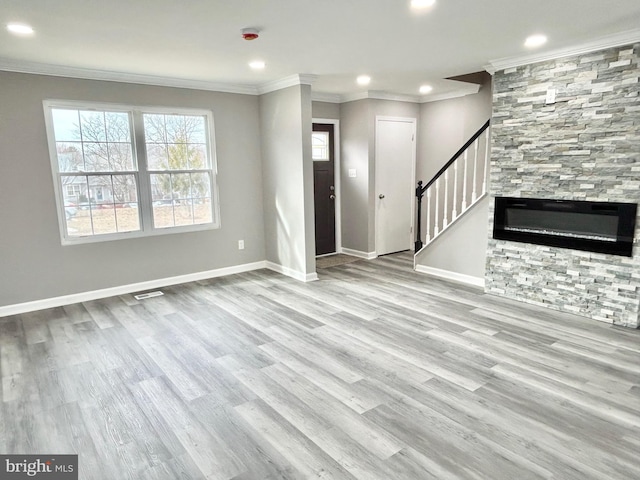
(445, 210)
(454, 215)
(486, 161)
(428, 215)
(436, 221)
(475, 171)
(464, 184)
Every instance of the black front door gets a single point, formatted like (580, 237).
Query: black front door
(324, 188)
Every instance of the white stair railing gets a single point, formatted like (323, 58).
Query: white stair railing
(444, 189)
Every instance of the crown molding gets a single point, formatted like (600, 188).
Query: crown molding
(461, 91)
(290, 81)
(326, 97)
(109, 76)
(471, 89)
(616, 40)
(244, 89)
(352, 97)
(19, 66)
(379, 95)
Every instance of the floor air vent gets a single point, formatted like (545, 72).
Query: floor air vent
(144, 296)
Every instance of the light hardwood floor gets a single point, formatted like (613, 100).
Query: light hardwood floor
(373, 372)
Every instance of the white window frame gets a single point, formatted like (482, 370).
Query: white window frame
(142, 174)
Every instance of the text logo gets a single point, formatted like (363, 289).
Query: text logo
(49, 467)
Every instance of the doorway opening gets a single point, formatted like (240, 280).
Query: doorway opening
(326, 187)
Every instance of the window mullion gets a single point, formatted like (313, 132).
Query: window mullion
(195, 170)
(143, 177)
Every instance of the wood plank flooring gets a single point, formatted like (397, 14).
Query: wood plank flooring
(372, 372)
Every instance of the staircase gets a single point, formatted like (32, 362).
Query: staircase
(459, 185)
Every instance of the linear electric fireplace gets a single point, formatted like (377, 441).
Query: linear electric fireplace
(603, 227)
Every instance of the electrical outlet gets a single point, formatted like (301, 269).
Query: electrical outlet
(240, 244)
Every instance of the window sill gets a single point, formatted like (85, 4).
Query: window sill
(156, 232)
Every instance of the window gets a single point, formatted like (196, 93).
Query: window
(320, 146)
(131, 171)
(177, 161)
(73, 190)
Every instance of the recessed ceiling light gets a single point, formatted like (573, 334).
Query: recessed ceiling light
(363, 80)
(257, 65)
(535, 41)
(20, 29)
(424, 89)
(422, 3)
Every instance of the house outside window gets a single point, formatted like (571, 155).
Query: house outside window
(123, 171)
(73, 191)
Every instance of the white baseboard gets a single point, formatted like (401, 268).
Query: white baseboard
(327, 254)
(358, 253)
(289, 272)
(124, 289)
(454, 276)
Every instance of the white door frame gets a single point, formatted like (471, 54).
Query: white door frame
(413, 121)
(336, 176)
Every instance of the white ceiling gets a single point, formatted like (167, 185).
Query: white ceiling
(199, 41)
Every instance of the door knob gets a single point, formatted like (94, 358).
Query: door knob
(381, 196)
(332, 197)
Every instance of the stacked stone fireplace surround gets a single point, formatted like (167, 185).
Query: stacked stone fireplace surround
(585, 146)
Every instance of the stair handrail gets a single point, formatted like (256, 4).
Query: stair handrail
(420, 189)
(455, 157)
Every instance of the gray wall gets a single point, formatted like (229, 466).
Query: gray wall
(326, 110)
(357, 130)
(463, 247)
(354, 136)
(308, 186)
(285, 117)
(34, 265)
(585, 146)
(444, 127)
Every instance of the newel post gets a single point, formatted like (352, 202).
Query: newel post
(419, 195)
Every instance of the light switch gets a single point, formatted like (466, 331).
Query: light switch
(551, 96)
(352, 172)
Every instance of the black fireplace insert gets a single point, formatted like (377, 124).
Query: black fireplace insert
(603, 227)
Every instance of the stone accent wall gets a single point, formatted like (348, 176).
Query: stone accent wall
(585, 146)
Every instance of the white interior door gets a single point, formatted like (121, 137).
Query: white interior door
(395, 178)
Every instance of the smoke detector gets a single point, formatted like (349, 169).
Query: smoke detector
(250, 33)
